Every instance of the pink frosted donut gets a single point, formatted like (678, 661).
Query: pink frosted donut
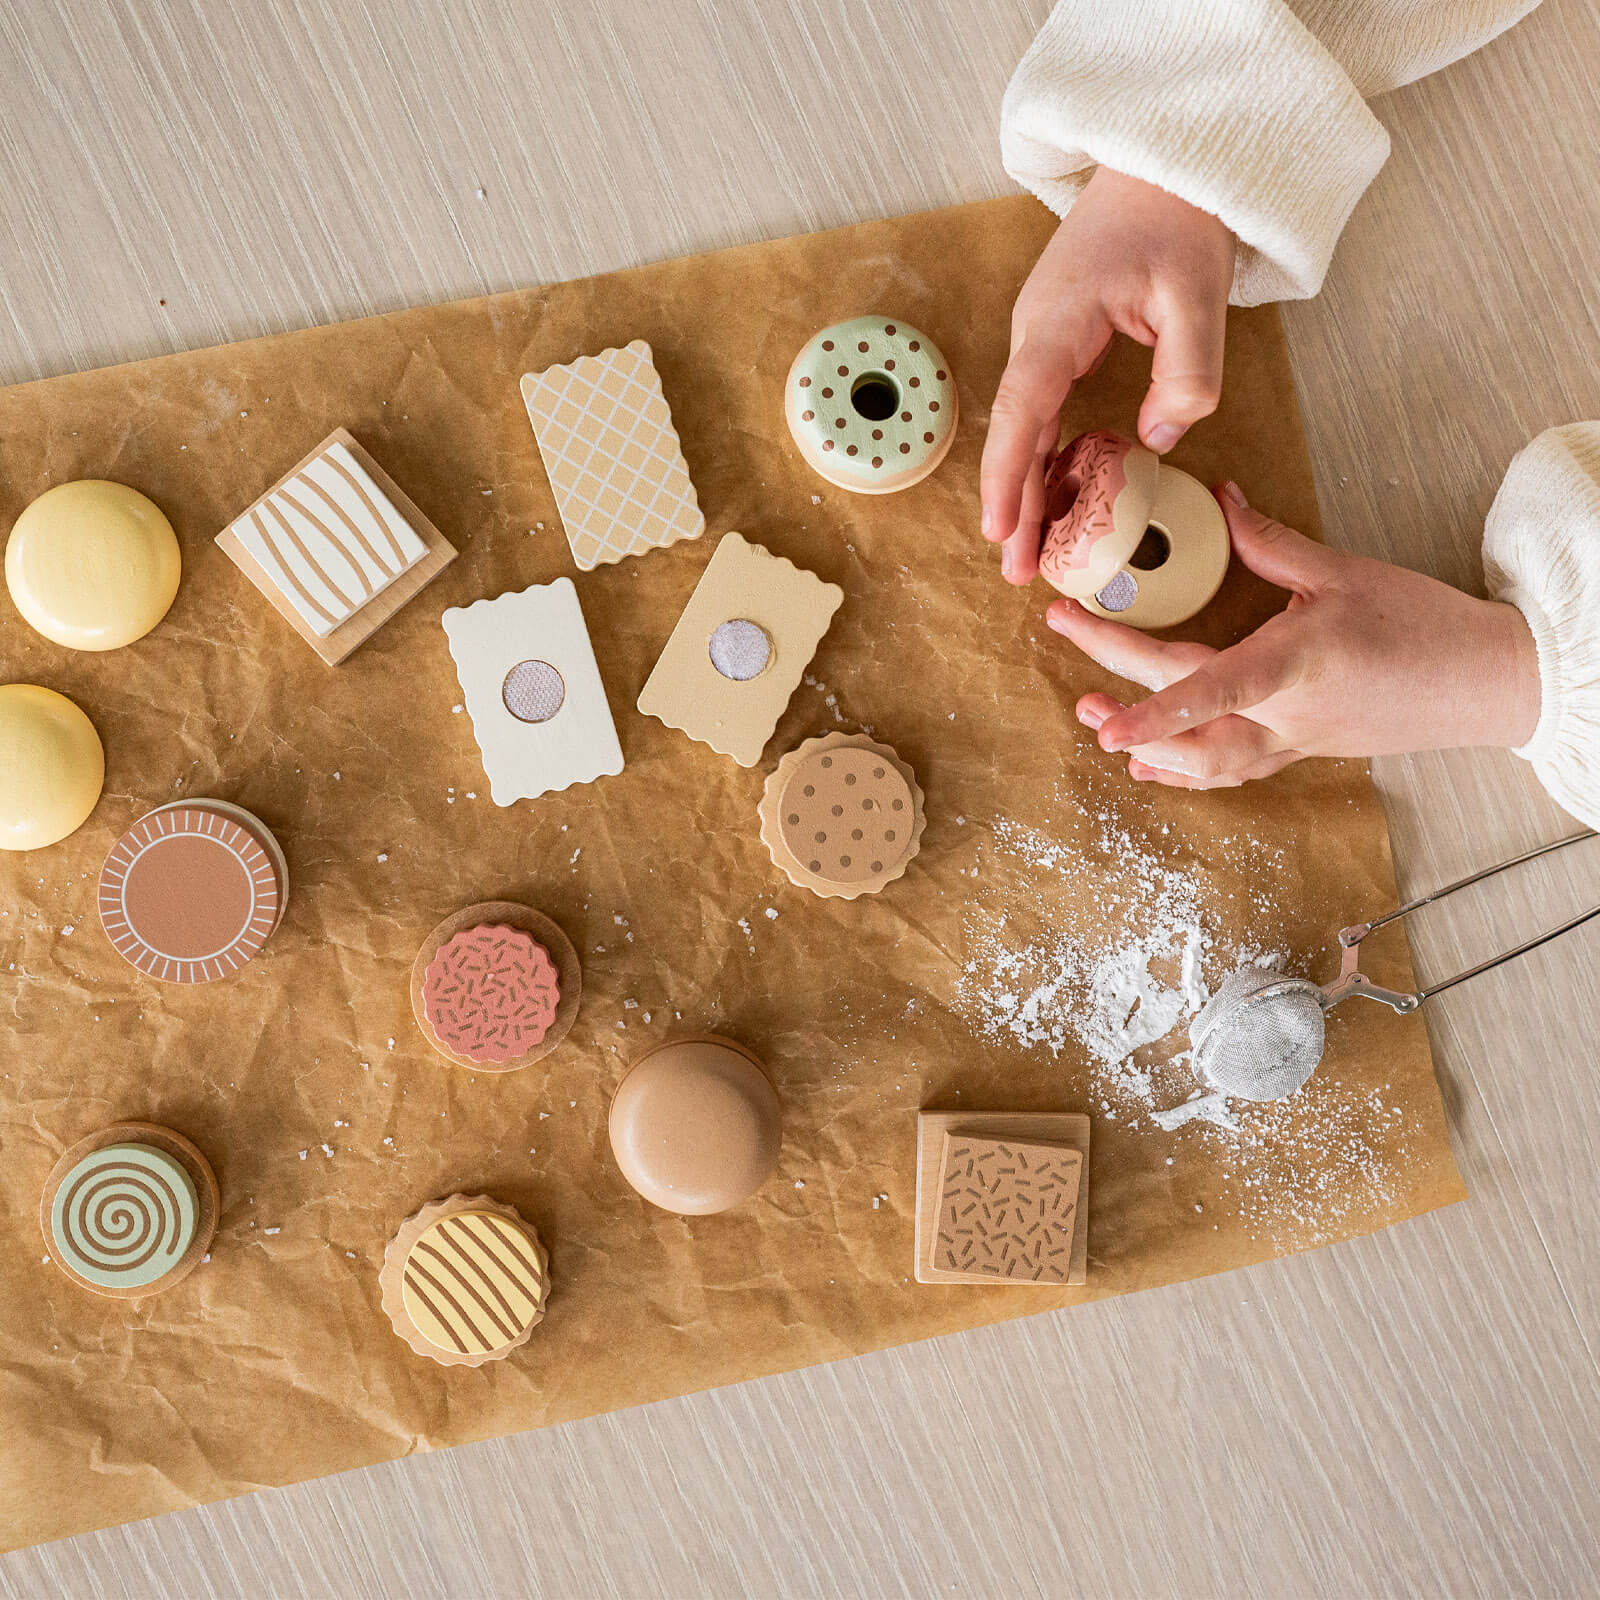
(1098, 494)
(491, 992)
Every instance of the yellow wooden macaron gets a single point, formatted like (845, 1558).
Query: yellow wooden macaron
(52, 767)
(92, 565)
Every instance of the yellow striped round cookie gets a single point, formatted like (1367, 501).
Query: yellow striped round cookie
(93, 565)
(465, 1281)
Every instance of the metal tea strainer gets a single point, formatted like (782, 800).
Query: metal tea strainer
(1260, 1036)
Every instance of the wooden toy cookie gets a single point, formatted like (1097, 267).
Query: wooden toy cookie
(52, 767)
(465, 1281)
(871, 405)
(740, 648)
(696, 1125)
(1006, 1208)
(193, 891)
(130, 1210)
(1127, 536)
(336, 546)
(969, 1182)
(612, 455)
(842, 816)
(93, 565)
(533, 691)
(496, 986)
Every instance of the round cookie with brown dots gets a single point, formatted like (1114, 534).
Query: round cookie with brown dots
(465, 1281)
(842, 816)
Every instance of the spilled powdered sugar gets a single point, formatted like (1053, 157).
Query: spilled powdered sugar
(1112, 996)
(1103, 952)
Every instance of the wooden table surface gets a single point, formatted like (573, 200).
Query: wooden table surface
(1415, 1413)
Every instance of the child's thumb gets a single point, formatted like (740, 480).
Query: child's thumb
(1269, 549)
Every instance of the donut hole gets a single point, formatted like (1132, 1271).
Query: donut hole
(533, 691)
(1154, 550)
(875, 396)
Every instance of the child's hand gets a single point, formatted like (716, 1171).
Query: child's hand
(1131, 258)
(1368, 659)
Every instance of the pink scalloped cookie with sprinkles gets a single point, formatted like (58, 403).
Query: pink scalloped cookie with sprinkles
(490, 993)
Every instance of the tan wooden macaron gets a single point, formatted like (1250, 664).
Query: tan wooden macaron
(130, 1210)
(465, 1281)
(842, 816)
(696, 1125)
(496, 986)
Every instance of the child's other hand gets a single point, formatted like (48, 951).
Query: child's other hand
(1128, 258)
(1368, 659)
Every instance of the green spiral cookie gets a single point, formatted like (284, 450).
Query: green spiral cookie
(125, 1216)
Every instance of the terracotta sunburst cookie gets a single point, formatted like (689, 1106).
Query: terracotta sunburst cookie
(130, 1210)
(465, 1281)
(842, 816)
(496, 986)
(193, 891)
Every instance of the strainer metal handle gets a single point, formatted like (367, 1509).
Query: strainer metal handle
(1352, 980)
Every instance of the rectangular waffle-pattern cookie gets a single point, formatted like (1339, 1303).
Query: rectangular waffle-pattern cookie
(612, 455)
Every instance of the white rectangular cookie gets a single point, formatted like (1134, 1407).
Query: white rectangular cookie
(533, 691)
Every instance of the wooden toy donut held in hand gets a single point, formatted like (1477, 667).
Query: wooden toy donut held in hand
(1128, 537)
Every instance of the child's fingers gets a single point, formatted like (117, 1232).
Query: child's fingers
(1028, 402)
(1151, 663)
(1186, 372)
(1178, 780)
(1235, 680)
(1272, 551)
(1093, 709)
(1228, 744)
(1019, 555)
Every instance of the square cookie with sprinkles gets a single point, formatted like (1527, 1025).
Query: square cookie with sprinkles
(336, 546)
(612, 455)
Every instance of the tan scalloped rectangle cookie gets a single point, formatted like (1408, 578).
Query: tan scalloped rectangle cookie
(1007, 1208)
(612, 455)
(740, 648)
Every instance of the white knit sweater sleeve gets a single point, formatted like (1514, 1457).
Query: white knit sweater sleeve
(1541, 552)
(1250, 109)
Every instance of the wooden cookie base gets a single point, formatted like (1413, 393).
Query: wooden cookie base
(772, 821)
(208, 1201)
(360, 626)
(1068, 1129)
(510, 914)
(391, 1277)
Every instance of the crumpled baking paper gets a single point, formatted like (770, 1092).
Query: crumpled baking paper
(304, 1079)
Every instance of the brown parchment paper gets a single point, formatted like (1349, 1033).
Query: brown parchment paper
(304, 1079)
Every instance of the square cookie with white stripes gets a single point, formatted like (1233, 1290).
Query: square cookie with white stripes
(612, 455)
(336, 546)
(740, 649)
(533, 691)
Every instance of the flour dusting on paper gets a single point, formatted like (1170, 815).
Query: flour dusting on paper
(1103, 952)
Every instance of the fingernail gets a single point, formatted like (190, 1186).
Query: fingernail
(1091, 720)
(987, 523)
(1008, 561)
(1111, 747)
(1163, 436)
(1235, 494)
(1055, 620)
